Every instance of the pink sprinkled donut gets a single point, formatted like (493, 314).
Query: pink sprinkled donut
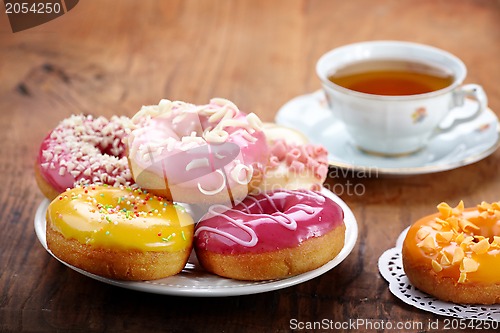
(294, 163)
(270, 235)
(189, 153)
(83, 150)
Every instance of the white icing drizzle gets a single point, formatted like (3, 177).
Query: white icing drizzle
(251, 197)
(219, 110)
(219, 156)
(198, 163)
(310, 194)
(286, 221)
(291, 225)
(253, 236)
(271, 202)
(165, 106)
(232, 123)
(247, 136)
(216, 135)
(223, 113)
(245, 206)
(254, 121)
(220, 119)
(307, 209)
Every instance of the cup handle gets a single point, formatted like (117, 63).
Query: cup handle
(468, 90)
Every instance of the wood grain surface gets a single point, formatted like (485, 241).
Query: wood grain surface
(110, 57)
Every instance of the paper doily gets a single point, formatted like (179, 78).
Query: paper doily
(390, 266)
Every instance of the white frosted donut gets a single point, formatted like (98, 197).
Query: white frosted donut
(197, 153)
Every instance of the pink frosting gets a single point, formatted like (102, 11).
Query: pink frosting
(299, 158)
(185, 136)
(267, 222)
(83, 149)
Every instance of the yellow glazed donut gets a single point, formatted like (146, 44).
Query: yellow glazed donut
(454, 255)
(119, 233)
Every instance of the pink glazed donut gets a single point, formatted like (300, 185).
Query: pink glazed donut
(270, 235)
(83, 150)
(201, 154)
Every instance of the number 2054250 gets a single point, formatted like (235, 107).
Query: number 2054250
(34, 8)
(455, 324)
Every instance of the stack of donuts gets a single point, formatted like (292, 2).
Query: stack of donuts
(120, 188)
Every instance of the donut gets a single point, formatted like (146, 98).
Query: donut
(83, 150)
(454, 255)
(119, 233)
(201, 154)
(270, 235)
(294, 163)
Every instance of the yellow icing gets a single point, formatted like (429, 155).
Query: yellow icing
(459, 243)
(121, 218)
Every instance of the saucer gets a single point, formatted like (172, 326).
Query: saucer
(465, 144)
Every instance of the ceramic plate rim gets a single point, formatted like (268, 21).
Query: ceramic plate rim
(246, 288)
(404, 171)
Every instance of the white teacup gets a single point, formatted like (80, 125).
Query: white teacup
(396, 125)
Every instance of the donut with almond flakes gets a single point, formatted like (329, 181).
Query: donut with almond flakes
(454, 255)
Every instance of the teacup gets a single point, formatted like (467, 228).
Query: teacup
(388, 120)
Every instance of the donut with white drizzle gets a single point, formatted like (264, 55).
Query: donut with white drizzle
(190, 153)
(81, 150)
(270, 235)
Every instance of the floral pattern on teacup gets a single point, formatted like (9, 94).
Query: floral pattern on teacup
(483, 128)
(419, 115)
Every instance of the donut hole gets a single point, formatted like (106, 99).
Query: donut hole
(286, 205)
(116, 150)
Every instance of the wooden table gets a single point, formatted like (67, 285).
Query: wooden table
(111, 57)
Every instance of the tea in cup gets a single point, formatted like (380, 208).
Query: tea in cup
(392, 96)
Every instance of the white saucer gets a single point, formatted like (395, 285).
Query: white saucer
(195, 281)
(465, 144)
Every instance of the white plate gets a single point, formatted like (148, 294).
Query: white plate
(465, 144)
(194, 281)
